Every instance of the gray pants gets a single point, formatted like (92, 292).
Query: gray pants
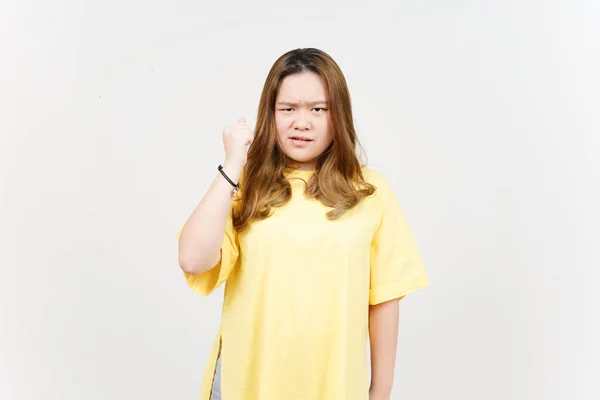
(215, 394)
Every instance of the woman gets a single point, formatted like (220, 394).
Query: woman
(314, 248)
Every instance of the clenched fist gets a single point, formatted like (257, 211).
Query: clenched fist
(236, 139)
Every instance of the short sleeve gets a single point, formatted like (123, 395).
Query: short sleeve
(396, 265)
(208, 281)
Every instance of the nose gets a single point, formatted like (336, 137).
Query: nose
(301, 121)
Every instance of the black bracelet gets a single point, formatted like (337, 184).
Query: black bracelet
(236, 187)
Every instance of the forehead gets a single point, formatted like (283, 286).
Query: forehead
(306, 86)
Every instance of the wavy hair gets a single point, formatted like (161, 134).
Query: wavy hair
(338, 181)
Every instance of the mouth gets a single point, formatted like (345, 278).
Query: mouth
(301, 138)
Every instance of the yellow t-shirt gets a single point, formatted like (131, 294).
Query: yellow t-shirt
(296, 306)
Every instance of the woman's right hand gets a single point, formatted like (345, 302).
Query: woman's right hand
(236, 139)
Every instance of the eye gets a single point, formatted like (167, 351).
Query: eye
(286, 109)
(319, 108)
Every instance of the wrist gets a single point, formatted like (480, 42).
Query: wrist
(231, 174)
(232, 168)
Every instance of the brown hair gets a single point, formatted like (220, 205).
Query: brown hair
(338, 181)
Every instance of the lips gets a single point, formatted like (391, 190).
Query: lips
(303, 138)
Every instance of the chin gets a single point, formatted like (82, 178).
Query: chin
(300, 157)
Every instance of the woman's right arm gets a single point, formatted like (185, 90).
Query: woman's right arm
(202, 235)
(201, 238)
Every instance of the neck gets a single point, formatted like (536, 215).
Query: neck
(302, 167)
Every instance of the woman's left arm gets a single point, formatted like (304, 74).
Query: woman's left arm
(383, 333)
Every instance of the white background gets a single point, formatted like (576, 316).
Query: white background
(482, 114)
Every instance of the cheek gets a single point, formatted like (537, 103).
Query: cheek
(327, 132)
(281, 131)
(325, 144)
(283, 124)
(324, 125)
(278, 125)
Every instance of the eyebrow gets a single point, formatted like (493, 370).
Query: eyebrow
(312, 103)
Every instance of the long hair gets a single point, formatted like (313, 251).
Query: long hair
(338, 181)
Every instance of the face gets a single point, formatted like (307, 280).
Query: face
(302, 119)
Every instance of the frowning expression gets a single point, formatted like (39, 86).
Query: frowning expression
(302, 119)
